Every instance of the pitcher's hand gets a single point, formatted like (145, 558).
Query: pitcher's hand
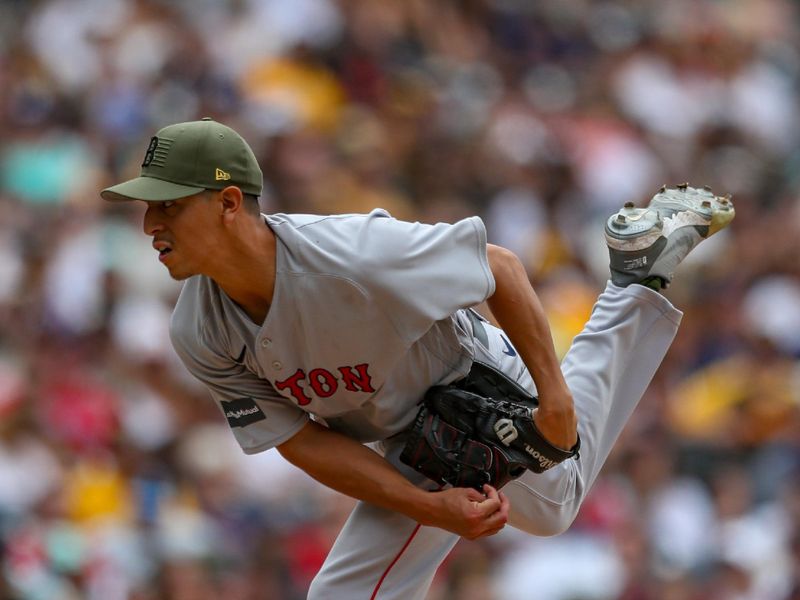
(469, 513)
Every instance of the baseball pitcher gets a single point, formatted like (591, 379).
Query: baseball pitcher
(318, 334)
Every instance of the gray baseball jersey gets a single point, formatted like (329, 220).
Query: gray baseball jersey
(365, 317)
(367, 314)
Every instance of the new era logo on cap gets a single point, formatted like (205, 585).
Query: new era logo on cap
(221, 175)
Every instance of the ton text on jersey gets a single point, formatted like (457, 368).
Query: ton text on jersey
(325, 384)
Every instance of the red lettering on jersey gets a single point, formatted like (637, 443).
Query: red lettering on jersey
(357, 383)
(323, 382)
(293, 385)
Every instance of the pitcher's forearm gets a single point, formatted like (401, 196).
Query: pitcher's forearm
(520, 314)
(518, 311)
(348, 467)
(352, 469)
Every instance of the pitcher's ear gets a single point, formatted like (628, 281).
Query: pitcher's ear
(232, 201)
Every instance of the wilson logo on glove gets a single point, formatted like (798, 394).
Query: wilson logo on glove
(544, 462)
(505, 430)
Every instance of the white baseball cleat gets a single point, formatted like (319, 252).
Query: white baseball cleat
(645, 245)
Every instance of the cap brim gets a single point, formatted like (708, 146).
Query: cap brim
(149, 189)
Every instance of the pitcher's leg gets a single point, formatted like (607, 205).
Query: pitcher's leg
(607, 369)
(613, 360)
(611, 363)
(381, 555)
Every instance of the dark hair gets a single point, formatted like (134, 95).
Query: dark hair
(252, 204)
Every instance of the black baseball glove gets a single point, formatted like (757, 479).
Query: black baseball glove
(479, 430)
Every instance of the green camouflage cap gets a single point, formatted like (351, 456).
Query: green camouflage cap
(187, 158)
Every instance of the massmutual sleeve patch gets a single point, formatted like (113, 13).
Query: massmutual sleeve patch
(242, 412)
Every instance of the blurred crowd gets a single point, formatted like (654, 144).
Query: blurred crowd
(118, 477)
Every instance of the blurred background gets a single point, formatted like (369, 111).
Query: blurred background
(118, 477)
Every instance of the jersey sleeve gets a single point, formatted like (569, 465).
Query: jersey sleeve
(422, 273)
(258, 416)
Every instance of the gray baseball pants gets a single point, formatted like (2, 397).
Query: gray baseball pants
(381, 555)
